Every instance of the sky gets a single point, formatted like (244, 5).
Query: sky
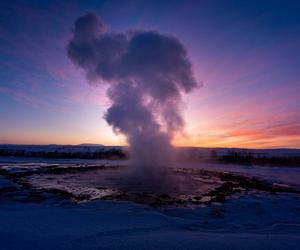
(245, 57)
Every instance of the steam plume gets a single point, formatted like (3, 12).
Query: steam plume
(147, 72)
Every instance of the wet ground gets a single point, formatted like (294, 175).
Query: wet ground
(180, 186)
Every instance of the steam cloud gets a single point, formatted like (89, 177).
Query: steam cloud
(147, 72)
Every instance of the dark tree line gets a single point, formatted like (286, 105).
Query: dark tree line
(254, 159)
(110, 154)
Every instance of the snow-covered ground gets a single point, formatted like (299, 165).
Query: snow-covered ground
(290, 175)
(256, 222)
(247, 219)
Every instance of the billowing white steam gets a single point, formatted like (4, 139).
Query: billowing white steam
(147, 72)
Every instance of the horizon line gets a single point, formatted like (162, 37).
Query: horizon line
(102, 145)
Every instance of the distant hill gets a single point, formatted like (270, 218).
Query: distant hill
(91, 145)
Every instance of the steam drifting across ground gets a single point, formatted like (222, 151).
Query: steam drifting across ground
(148, 72)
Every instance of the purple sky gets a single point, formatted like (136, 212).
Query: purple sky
(246, 54)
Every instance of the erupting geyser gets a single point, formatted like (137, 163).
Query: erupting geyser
(147, 72)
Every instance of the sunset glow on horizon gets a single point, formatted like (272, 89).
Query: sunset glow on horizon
(245, 57)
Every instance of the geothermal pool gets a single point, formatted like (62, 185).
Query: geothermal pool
(182, 185)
